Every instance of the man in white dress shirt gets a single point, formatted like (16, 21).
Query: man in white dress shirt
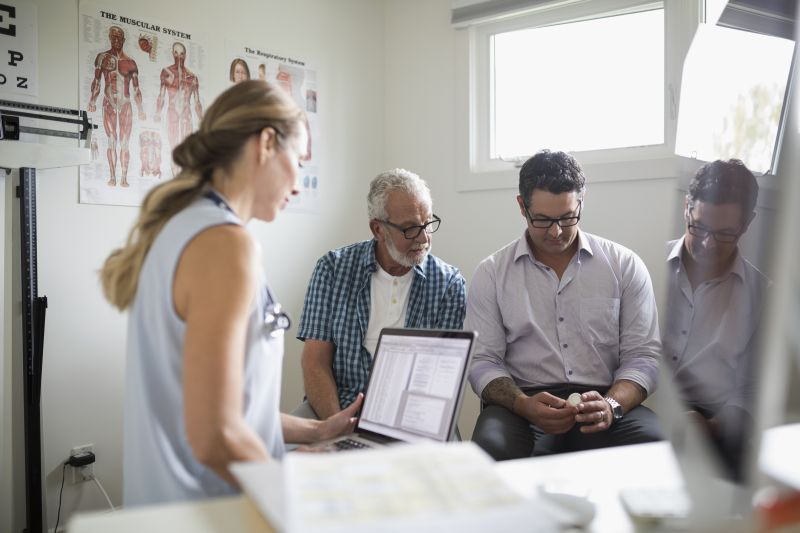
(561, 312)
(716, 299)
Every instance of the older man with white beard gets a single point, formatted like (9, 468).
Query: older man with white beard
(391, 280)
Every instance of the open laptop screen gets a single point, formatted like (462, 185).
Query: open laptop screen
(416, 384)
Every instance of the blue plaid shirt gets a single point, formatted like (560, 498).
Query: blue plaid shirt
(336, 308)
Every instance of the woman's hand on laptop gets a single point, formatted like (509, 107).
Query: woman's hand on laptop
(341, 423)
(310, 449)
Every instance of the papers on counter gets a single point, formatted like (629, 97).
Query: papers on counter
(425, 487)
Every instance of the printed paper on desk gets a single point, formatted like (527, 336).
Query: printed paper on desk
(263, 483)
(425, 487)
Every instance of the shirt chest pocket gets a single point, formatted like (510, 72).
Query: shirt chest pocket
(600, 320)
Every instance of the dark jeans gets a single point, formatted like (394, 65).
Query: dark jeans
(504, 435)
(732, 442)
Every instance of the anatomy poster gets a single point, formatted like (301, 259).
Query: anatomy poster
(296, 78)
(143, 83)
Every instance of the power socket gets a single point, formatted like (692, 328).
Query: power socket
(82, 473)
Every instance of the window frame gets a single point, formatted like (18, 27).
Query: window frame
(752, 20)
(476, 171)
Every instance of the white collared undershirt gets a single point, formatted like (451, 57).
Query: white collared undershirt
(388, 304)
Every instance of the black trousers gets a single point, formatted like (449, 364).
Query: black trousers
(504, 435)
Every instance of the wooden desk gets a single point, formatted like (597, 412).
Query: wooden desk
(604, 472)
(223, 515)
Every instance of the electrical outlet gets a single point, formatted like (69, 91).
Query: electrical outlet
(82, 473)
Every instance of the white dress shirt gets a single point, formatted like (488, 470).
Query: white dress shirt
(594, 326)
(710, 333)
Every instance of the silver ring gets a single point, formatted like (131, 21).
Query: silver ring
(602, 415)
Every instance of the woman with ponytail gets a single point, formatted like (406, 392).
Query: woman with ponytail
(205, 333)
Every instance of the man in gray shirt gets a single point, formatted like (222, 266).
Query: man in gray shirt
(715, 303)
(560, 311)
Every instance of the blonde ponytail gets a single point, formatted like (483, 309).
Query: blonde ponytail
(120, 274)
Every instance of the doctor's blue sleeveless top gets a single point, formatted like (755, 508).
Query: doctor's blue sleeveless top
(158, 464)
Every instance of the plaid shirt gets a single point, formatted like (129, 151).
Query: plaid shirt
(336, 308)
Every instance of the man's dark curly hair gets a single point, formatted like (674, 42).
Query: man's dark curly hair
(554, 172)
(725, 182)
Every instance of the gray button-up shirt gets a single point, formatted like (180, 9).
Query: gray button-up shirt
(710, 332)
(596, 325)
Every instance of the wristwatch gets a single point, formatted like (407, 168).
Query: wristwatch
(616, 408)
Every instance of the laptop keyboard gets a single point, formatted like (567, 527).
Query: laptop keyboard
(350, 444)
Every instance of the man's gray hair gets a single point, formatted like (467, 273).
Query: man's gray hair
(398, 179)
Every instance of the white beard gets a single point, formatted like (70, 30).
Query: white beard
(404, 260)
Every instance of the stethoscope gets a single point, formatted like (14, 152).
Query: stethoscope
(276, 320)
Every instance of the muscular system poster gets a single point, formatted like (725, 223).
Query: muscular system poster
(143, 82)
(246, 62)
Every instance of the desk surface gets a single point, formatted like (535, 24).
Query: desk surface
(603, 472)
(221, 515)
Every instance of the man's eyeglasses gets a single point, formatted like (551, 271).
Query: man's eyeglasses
(541, 222)
(720, 236)
(412, 232)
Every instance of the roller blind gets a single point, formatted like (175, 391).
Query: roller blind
(466, 12)
(770, 17)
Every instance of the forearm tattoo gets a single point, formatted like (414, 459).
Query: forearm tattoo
(502, 392)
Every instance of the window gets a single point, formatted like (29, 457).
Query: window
(604, 79)
(735, 81)
(747, 74)
(588, 85)
(599, 79)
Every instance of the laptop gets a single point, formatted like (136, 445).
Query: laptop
(415, 387)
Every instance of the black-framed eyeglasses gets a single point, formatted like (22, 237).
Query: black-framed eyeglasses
(412, 232)
(547, 222)
(720, 236)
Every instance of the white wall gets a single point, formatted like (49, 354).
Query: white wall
(421, 112)
(84, 347)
